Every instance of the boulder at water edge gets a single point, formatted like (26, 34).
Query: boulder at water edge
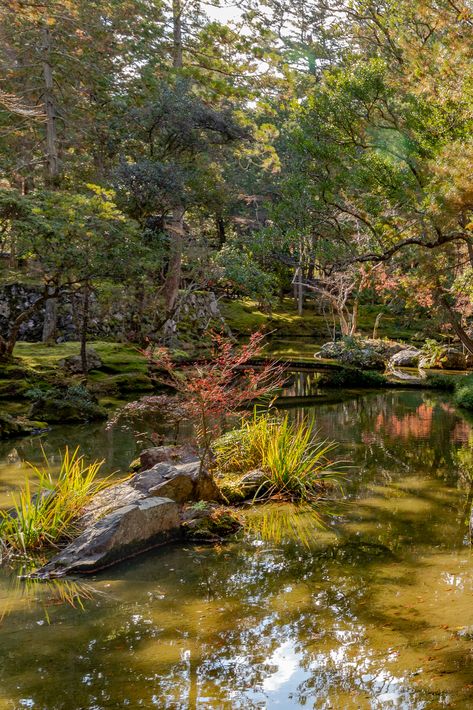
(406, 358)
(124, 532)
(133, 516)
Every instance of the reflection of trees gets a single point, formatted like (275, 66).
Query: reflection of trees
(198, 628)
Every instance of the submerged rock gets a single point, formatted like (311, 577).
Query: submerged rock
(209, 523)
(19, 426)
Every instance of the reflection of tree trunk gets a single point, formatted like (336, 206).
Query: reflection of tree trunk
(84, 328)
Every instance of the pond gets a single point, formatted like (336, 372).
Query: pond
(376, 613)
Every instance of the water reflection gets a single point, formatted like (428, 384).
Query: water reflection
(376, 613)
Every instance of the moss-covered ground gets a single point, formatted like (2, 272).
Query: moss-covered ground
(124, 370)
(244, 317)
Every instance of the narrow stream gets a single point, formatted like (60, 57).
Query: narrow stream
(377, 613)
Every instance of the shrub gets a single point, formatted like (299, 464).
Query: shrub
(447, 383)
(45, 513)
(352, 377)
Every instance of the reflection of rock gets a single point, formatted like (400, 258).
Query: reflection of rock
(73, 363)
(447, 358)
(19, 426)
(405, 358)
(141, 512)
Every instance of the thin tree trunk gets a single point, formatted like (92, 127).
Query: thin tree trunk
(84, 328)
(7, 345)
(173, 278)
(50, 320)
(456, 324)
(50, 110)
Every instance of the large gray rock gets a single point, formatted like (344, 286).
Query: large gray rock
(166, 454)
(73, 363)
(184, 482)
(133, 516)
(120, 534)
(406, 358)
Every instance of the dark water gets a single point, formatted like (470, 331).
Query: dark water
(377, 613)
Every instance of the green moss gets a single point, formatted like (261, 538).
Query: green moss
(244, 317)
(101, 384)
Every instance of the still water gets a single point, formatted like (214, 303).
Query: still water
(377, 613)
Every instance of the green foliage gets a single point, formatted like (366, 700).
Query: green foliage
(447, 383)
(45, 511)
(241, 275)
(352, 377)
(464, 392)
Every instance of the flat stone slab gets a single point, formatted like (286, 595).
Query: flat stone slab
(126, 531)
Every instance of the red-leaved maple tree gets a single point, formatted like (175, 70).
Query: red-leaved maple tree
(221, 385)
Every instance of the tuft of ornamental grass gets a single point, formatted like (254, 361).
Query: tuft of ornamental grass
(44, 512)
(296, 464)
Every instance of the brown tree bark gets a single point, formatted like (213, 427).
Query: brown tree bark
(52, 159)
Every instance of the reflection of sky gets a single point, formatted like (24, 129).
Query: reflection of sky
(286, 661)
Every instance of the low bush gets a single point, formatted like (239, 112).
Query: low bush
(464, 392)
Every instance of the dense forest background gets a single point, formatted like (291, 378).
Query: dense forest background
(153, 151)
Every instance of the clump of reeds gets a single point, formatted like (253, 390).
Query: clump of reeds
(45, 510)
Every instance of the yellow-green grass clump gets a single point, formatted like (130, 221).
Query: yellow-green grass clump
(45, 511)
(295, 463)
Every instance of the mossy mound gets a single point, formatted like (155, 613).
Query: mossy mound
(19, 426)
(72, 404)
(353, 377)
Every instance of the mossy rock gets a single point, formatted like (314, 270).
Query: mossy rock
(19, 426)
(57, 411)
(209, 523)
(125, 383)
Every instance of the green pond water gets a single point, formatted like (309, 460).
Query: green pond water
(377, 613)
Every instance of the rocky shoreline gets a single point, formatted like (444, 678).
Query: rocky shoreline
(172, 498)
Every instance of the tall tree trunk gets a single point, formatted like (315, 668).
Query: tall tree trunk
(220, 225)
(50, 110)
(173, 278)
(456, 324)
(84, 328)
(7, 345)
